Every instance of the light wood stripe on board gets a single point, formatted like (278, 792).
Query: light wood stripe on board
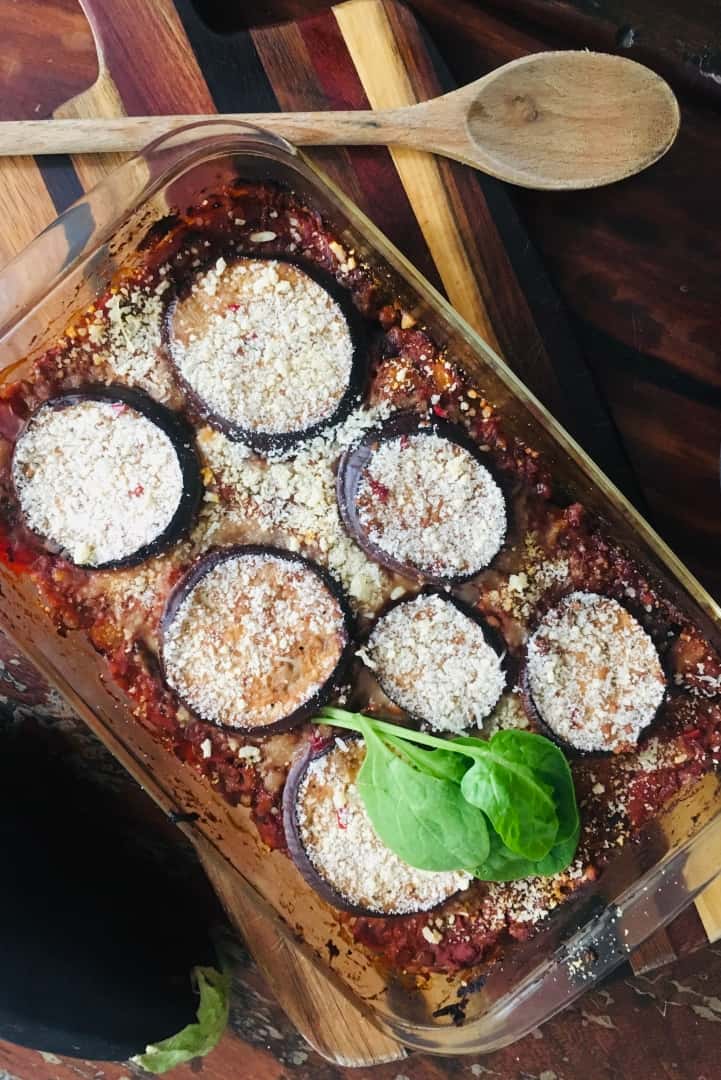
(370, 42)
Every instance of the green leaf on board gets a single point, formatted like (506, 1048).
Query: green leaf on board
(196, 1039)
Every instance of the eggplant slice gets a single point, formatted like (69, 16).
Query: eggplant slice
(268, 351)
(255, 638)
(419, 499)
(592, 678)
(438, 660)
(333, 844)
(107, 476)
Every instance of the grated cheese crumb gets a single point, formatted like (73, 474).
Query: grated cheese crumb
(432, 936)
(131, 329)
(249, 753)
(519, 595)
(529, 900)
(434, 661)
(508, 714)
(293, 501)
(97, 478)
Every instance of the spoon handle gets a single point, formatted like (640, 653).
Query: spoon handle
(131, 133)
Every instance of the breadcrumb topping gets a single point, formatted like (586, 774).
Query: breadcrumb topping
(594, 673)
(519, 594)
(434, 661)
(293, 502)
(263, 345)
(427, 502)
(254, 639)
(134, 339)
(345, 850)
(528, 900)
(97, 478)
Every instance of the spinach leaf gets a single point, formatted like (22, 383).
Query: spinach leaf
(443, 764)
(548, 763)
(197, 1039)
(423, 819)
(502, 864)
(423, 799)
(518, 803)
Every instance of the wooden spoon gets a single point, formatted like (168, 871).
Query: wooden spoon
(554, 120)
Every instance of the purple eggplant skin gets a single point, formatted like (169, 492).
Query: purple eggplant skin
(293, 838)
(492, 636)
(182, 437)
(202, 566)
(353, 463)
(269, 443)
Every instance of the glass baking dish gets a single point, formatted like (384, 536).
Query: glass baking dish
(644, 887)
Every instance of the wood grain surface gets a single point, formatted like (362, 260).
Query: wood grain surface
(635, 272)
(635, 264)
(680, 41)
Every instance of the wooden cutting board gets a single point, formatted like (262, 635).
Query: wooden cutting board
(459, 228)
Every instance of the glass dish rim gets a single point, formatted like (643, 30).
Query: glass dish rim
(165, 157)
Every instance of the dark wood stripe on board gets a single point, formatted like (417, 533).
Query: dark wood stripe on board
(229, 63)
(148, 59)
(533, 329)
(288, 67)
(316, 48)
(61, 180)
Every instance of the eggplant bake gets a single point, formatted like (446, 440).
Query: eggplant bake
(262, 489)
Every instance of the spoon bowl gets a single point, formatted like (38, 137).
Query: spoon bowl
(566, 120)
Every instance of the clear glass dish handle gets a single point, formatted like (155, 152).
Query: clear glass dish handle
(596, 950)
(91, 221)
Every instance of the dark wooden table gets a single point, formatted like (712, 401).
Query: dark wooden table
(636, 264)
(665, 1028)
(637, 268)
